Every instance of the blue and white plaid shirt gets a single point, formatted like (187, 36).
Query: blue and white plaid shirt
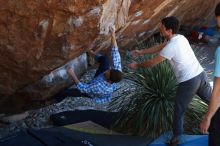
(99, 89)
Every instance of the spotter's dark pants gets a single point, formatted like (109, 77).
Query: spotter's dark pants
(214, 130)
(185, 92)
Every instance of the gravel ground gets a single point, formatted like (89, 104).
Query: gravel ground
(205, 54)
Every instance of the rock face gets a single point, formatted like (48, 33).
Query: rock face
(39, 36)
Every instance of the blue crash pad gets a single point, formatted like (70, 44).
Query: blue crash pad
(186, 140)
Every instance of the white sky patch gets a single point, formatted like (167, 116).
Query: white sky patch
(139, 13)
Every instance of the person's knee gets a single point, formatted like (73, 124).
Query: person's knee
(180, 108)
(205, 92)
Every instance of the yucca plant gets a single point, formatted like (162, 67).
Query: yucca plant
(148, 110)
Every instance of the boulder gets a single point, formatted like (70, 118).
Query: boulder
(38, 37)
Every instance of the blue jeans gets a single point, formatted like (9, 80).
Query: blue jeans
(104, 64)
(185, 92)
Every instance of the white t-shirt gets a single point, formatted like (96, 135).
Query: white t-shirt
(182, 58)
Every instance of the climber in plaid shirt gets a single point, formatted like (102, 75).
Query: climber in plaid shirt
(105, 81)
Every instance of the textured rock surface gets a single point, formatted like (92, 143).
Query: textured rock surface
(35, 95)
(38, 36)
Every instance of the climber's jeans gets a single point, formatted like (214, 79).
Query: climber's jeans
(70, 92)
(104, 64)
(198, 85)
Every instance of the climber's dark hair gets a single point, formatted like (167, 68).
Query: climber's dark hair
(115, 76)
